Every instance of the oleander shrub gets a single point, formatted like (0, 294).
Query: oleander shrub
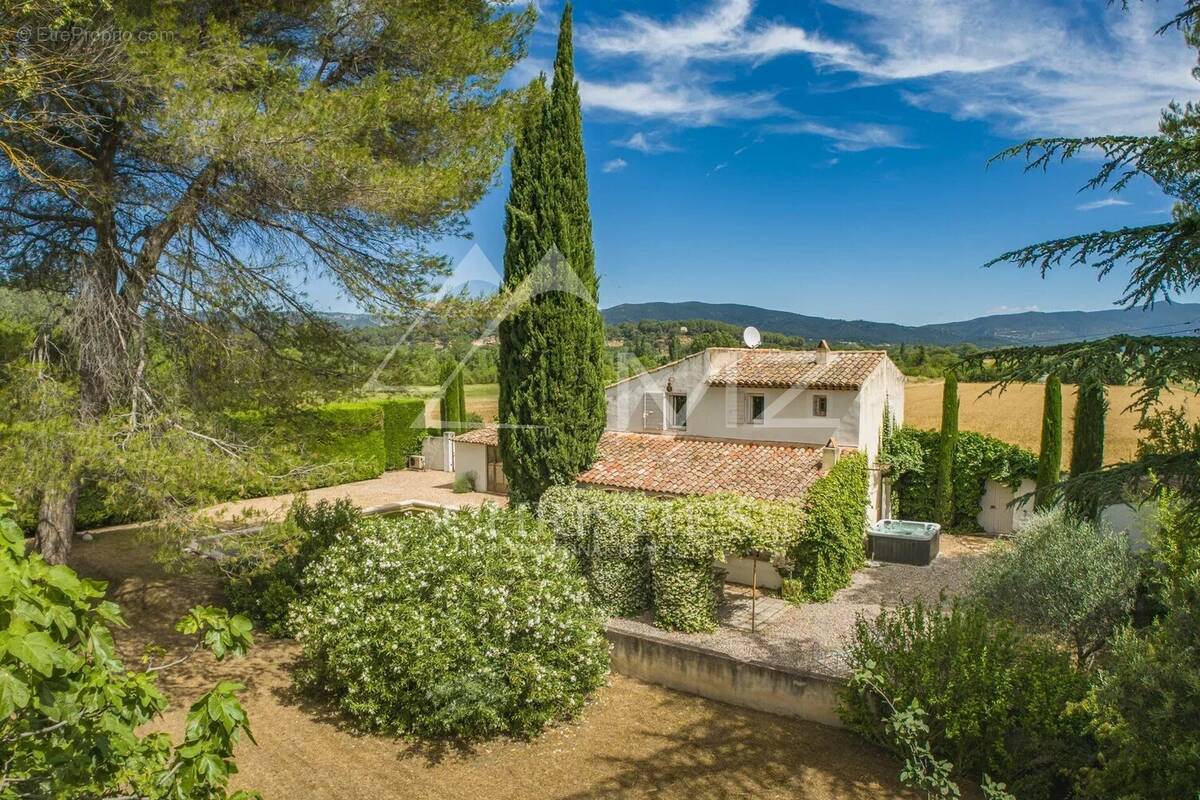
(977, 458)
(831, 547)
(609, 533)
(265, 578)
(467, 624)
(995, 702)
(403, 429)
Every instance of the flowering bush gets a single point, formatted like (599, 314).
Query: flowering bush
(264, 579)
(465, 624)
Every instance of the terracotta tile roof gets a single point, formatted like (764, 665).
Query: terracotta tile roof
(846, 369)
(681, 465)
(489, 435)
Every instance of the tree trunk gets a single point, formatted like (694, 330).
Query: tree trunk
(56, 522)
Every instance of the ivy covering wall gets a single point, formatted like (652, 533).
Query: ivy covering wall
(832, 546)
(609, 535)
(640, 552)
(977, 458)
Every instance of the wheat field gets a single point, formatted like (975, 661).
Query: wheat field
(1016, 415)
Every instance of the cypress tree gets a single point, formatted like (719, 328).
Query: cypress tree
(551, 348)
(1087, 441)
(944, 508)
(454, 400)
(1050, 458)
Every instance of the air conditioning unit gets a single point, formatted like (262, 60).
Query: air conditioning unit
(416, 462)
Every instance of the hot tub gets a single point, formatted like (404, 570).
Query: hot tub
(900, 541)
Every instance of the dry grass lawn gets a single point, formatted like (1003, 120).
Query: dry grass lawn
(634, 740)
(1016, 415)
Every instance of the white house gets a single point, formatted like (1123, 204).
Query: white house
(765, 423)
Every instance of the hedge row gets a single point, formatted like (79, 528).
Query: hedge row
(310, 448)
(403, 430)
(639, 552)
(609, 535)
(832, 548)
(977, 458)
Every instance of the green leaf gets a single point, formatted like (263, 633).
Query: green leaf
(14, 693)
(36, 649)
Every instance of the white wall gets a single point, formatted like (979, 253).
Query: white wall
(470, 457)
(439, 452)
(714, 411)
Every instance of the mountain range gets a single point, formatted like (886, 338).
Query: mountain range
(1027, 328)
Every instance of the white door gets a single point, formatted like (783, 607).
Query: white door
(995, 515)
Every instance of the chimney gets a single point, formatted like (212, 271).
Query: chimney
(829, 455)
(823, 353)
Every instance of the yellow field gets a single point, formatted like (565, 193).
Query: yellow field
(1016, 415)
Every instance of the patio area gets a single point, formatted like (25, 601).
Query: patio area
(811, 637)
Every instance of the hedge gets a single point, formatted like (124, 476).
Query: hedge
(322, 446)
(403, 429)
(609, 534)
(347, 436)
(977, 458)
(832, 547)
(640, 552)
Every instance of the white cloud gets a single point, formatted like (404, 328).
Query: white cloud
(1105, 203)
(667, 55)
(849, 138)
(1034, 66)
(614, 165)
(725, 31)
(648, 143)
(682, 103)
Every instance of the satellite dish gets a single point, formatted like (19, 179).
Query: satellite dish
(751, 337)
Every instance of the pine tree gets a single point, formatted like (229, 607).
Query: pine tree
(1050, 458)
(551, 349)
(454, 400)
(947, 444)
(1087, 442)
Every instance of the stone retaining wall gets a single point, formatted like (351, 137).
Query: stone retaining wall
(717, 676)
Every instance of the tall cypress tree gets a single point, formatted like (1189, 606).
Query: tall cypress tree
(1050, 458)
(1087, 441)
(947, 444)
(454, 400)
(551, 348)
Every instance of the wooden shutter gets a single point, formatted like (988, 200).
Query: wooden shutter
(654, 411)
(735, 407)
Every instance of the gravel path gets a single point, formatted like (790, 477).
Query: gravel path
(810, 637)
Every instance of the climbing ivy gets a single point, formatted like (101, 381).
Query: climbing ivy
(977, 458)
(831, 549)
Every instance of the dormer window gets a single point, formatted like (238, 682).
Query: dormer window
(758, 409)
(820, 405)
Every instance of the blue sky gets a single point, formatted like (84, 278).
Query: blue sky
(829, 158)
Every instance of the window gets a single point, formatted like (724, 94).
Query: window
(679, 411)
(820, 405)
(758, 409)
